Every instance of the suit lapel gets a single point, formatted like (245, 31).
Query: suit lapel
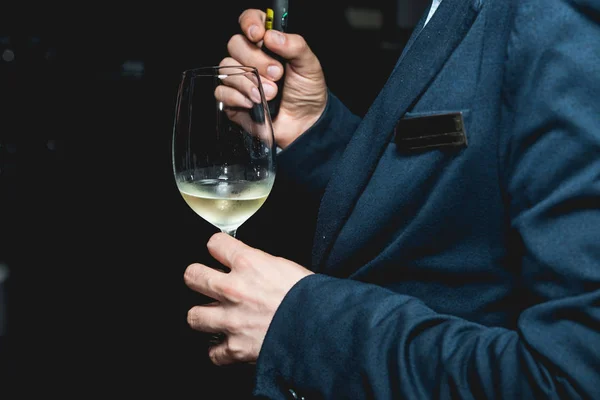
(422, 59)
(415, 33)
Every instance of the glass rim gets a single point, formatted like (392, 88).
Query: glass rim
(212, 70)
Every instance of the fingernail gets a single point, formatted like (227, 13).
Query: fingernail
(273, 71)
(278, 37)
(255, 94)
(249, 103)
(252, 31)
(269, 90)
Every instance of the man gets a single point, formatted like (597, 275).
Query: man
(456, 250)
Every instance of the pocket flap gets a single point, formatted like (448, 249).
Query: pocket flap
(425, 131)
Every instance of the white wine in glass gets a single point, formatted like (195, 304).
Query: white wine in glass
(223, 149)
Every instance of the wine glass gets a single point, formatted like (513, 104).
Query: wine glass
(223, 149)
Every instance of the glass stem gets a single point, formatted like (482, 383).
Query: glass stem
(230, 232)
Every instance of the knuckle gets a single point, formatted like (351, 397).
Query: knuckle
(210, 284)
(296, 43)
(242, 16)
(235, 349)
(224, 62)
(228, 327)
(300, 45)
(242, 260)
(234, 42)
(228, 62)
(233, 294)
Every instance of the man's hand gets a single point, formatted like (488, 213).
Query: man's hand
(305, 94)
(246, 298)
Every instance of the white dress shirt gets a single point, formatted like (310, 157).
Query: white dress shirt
(434, 6)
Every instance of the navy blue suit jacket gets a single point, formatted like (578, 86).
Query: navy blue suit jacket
(469, 272)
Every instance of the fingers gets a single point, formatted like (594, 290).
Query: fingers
(245, 47)
(205, 280)
(206, 318)
(228, 250)
(247, 53)
(252, 23)
(292, 47)
(243, 96)
(221, 355)
(248, 84)
(237, 90)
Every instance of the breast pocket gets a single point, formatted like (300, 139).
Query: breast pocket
(423, 131)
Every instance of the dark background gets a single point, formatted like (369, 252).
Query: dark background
(93, 230)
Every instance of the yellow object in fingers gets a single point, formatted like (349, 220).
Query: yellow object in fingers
(269, 19)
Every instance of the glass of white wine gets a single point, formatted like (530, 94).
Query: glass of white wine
(223, 148)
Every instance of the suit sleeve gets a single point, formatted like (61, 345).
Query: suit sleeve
(337, 338)
(309, 160)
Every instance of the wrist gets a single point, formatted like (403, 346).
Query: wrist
(304, 123)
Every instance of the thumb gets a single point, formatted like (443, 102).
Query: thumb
(293, 48)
